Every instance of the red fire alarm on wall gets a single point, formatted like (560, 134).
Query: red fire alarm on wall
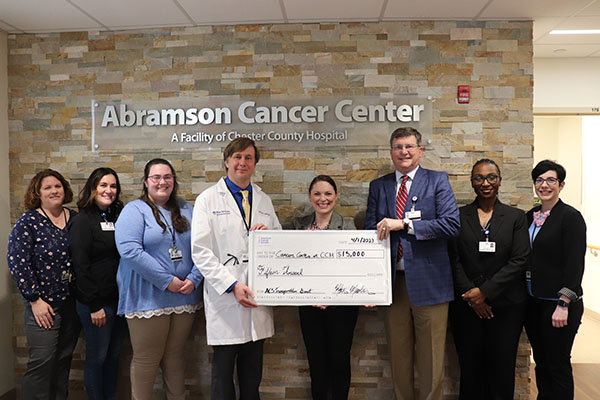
(464, 94)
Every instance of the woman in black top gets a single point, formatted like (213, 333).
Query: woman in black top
(557, 233)
(487, 316)
(327, 331)
(95, 261)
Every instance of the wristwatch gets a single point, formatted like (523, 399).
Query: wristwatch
(562, 303)
(406, 224)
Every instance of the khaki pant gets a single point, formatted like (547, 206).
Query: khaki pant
(159, 341)
(416, 333)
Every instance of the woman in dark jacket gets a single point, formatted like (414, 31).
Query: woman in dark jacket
(487, 316)
(557, 233)
(327, 331)
(95, 261)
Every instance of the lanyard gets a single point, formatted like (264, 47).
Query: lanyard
(171, 231)
(240, 204)
(486, 230)
(64, 215)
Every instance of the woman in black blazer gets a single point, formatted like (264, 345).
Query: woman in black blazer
(327, 331)
(487, 317)
(557, 233)
(95, 262)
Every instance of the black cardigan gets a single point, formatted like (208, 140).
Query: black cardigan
(499, 275)
(557, 256)
(95, 258)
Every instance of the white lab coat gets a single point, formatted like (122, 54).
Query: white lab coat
(218, 232)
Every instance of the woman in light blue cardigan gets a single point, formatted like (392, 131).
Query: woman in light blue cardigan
(159, 286)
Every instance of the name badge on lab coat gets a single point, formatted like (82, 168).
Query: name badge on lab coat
(487, 247)
(107, 226)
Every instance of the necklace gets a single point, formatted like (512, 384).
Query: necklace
(484, 216)
(315, 227)
(53, 220)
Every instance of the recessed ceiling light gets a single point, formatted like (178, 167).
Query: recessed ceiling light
(560, 50)
(575, 32)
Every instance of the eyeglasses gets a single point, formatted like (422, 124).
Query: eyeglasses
(492, 179)
(157, 178)
(408, 147)
(550, 181)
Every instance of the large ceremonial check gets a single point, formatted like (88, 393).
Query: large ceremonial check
(319, 268)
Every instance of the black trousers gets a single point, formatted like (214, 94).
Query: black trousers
(50, 352)
(487, 350)
(328, 339)
(248, 358)
(552, 348)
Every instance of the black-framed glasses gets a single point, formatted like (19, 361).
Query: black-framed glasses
(491, 178)
(408, 147)
(157, 178)
(550, 181)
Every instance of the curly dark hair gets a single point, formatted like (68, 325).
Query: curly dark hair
(32, 195)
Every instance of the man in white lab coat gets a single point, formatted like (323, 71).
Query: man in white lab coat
(236, 326)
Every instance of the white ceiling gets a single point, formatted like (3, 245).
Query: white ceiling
(38, 16)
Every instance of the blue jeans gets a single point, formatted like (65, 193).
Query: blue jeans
(102, 349)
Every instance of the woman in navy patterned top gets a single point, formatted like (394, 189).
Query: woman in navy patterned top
(39, 261)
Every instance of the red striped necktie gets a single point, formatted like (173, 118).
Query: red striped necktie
(401, 198)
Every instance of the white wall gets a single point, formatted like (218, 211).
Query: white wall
(565, 84)
(574, 143)
(559, 139)
(7, 375)
(591, 211)
(571, 86)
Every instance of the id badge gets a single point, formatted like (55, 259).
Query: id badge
(413, 214)
(487, 247)
(107, 226)
(175, 254)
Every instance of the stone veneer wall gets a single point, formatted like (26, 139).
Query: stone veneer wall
(53, 77)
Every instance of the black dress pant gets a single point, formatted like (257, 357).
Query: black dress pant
(328, 339)
(50, 352)
(487, 350)
(248, 358)
(552, 348)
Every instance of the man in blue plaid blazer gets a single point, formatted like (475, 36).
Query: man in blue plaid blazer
(417, 319)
